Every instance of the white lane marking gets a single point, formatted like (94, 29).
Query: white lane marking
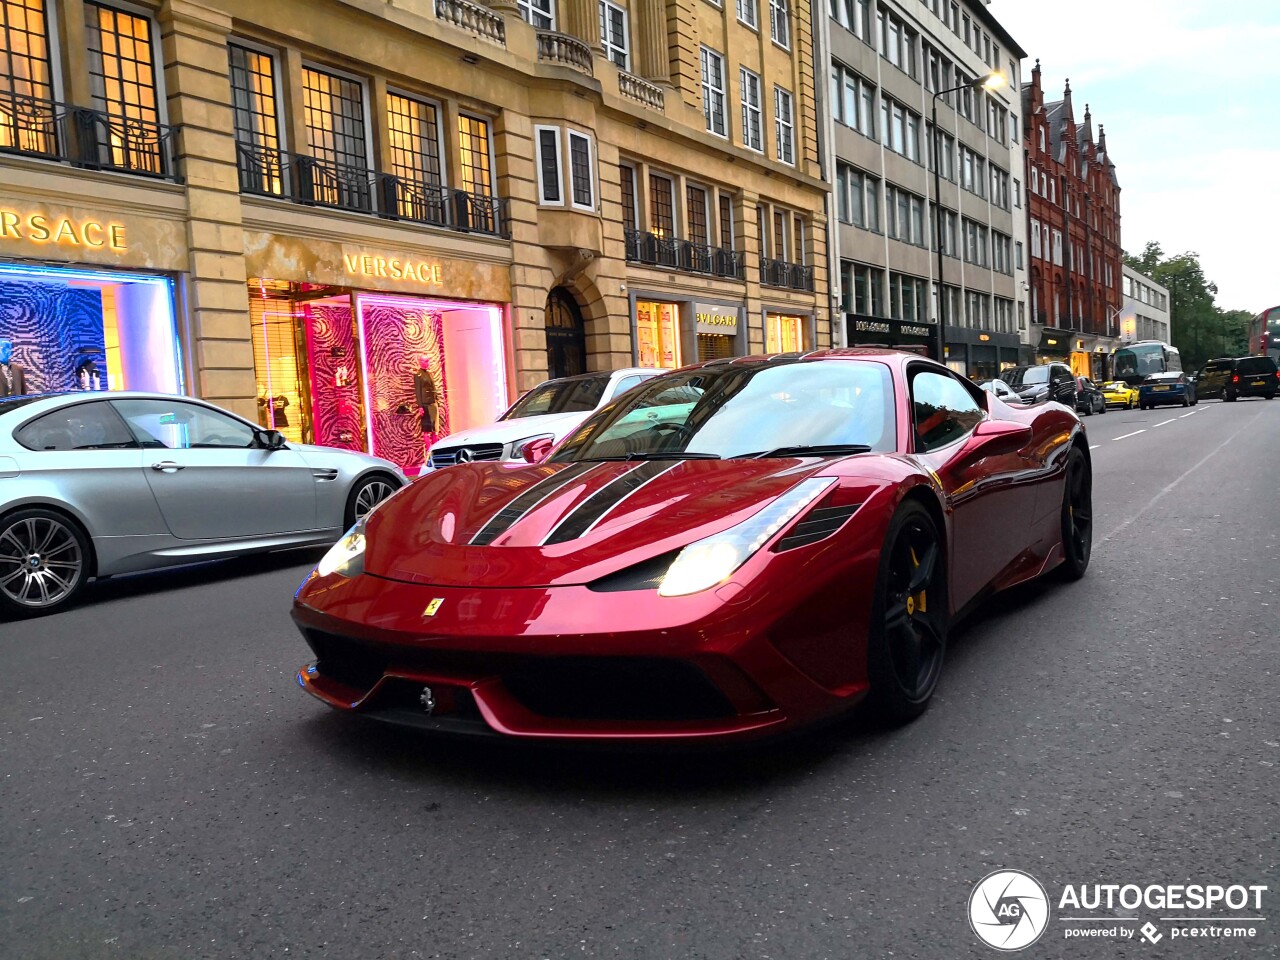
(1190, 470)
(1127, 435)
(1191, 414)
(1095, 446)
(1163, 422)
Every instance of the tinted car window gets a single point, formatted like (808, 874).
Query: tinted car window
(1020, 377)
(183, 426)
(84, 426)
(943, 410)
(626, 383)
(1217, 366)
(1252, 366)
(560, 396)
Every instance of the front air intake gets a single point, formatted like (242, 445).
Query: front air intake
(817, 525)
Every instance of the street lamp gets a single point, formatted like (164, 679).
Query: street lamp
(992, 81)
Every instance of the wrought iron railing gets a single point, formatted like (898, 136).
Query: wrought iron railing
(567, 51)
(685, 255)
(304, 179)
(86, 137)
(780, 273)
(474, 18)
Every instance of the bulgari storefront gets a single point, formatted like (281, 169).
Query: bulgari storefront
(672, 333)
(369, 350)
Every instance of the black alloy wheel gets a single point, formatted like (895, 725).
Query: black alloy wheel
(908, 636)
(1077, 515)
(366, 495)
(44, 561)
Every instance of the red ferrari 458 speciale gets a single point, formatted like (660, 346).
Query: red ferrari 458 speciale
(731, 550)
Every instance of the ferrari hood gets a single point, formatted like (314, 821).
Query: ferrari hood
(514, 525)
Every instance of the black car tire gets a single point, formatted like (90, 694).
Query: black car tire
(367, 493)
(904, 636)
(1077, 516)
(1186, 401)
(61, 549)
(1229, 398)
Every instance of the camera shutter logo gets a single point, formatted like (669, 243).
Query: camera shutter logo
(1008, 910)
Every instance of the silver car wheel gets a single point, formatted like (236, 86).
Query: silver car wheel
(41, 562)
(370, 495)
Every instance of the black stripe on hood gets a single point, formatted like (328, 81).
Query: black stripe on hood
(505, 518)
(605, 499)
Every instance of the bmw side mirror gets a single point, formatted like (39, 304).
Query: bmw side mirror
(272, 440)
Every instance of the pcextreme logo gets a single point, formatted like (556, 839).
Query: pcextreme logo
(1009, 910)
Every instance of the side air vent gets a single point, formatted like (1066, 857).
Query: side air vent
(643, 576)
(817, 525)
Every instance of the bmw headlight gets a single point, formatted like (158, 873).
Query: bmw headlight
(346, 557)
(711, 561)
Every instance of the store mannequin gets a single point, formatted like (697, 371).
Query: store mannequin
(428, 397)
(13, 380)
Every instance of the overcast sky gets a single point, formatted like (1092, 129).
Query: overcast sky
(1189, 91)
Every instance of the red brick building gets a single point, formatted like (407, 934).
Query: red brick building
(1075, 256)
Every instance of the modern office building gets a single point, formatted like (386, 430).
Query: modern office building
(1145, 314)
(315, 212)
(1074, 231)
(892, 63)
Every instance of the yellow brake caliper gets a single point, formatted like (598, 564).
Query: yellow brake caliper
(917, 601)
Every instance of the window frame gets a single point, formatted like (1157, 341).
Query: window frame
(610, 48)
(973, 392)
(744, 75)
(789, 126)
(526, 10)
(540, 158)
(706, 55)
(780, 13)
(570, 134)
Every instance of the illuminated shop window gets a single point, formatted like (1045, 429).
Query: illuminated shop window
(25, 72)
(658, 333)
(477, 160)
(257, 117)
(783, 334)
(122, 75)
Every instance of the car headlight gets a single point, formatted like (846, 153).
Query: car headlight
(516, 449)
(346, 557)
(711, 561)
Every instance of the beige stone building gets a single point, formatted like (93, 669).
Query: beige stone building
(332, 215)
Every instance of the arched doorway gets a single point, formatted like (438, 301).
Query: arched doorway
(566, 335)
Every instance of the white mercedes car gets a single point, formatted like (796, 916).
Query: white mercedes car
(550, 411)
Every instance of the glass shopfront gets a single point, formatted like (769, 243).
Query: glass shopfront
(387, 374)
(783, 334)
(658, 334)
(67, 329)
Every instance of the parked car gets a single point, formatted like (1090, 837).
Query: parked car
(1045, 381)
(550, 411)
(1003, 391)
(793, 535)
(1089, 399)
(1250, 377)
(98, 484)
(1163, 388)
(1214, 377)
(1117, 393)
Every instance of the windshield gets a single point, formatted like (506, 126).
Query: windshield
(1020, 377)
(1116, 385)
(579, 395)
(1140, 361)
(735, 410)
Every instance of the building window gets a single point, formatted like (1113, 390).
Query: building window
(538, 13)
(550, 190)
(751, 120)
(797, 239)
(696, 214)
(581, 174)
(122, 77)
(868, 289)
(728, 238)
(853, 100)
(858, 198)
(615, 34)
(25, 66)
(333, 110)
(477, 158)
(413, 143)
(747, 12)
(256, 115)
(784, 125)
(627, 179)
(779, 235)
(662, 217)
(713, 91)
(907, 298)
(780, 22)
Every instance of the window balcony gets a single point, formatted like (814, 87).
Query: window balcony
(84, 137)
(473, 18)
(306, 180)
(685, 255)
(788, 276)
(565, 51)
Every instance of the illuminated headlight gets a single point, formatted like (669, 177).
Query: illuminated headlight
(712, 561)
(346, 557)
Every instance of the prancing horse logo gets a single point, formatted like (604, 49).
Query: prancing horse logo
(432, 607)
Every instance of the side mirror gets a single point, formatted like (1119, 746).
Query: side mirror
(997, 438)
(537, 450)
(272, 440)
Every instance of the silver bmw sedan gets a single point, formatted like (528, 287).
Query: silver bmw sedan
(94, 485)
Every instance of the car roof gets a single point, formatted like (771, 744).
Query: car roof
(881, 354)
(594, 374)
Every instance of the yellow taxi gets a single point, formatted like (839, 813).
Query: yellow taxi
(1117, 393)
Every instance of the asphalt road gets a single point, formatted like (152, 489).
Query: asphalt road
(169, 792)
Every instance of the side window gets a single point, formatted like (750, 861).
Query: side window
(175, 425)
(626, 383)
(84, 426)
(942, 409)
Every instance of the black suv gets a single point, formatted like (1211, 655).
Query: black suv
(1253, 377)
(1045, 381)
